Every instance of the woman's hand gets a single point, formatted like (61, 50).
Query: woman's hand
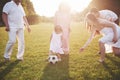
(81, 49)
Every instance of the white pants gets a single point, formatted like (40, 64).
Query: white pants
(13, 33)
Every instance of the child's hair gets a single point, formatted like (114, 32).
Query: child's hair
(92, 18)
(58, 27)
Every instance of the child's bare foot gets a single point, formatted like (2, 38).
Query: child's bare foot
(66, 52)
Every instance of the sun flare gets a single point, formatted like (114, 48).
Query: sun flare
(49, 7)
(78, 5)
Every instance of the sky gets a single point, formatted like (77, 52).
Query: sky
(49, 7)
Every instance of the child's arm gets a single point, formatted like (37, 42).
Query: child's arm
(88, 41)
(50, 52)
(50, 37)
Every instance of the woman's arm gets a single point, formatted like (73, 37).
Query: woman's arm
(55, 18)
(88, 41)
(50, 37)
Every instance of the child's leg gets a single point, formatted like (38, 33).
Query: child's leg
(50, 52)
(59, 57)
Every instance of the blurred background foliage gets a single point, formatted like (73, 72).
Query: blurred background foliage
(34, 18)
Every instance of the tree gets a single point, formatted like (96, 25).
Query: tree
(28, 7)
(2, 3)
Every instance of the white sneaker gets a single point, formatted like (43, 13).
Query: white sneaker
(20, 59)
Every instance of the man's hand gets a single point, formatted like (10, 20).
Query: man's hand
(7, 29)
(29, 30)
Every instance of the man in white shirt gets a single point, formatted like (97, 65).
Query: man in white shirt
(14, 18)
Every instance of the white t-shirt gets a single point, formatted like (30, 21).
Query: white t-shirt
(15, 14)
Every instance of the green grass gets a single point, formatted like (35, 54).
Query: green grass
(84, 66)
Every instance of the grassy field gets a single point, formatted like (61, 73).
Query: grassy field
(84, 66)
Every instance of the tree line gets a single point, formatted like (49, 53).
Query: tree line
(33, 18)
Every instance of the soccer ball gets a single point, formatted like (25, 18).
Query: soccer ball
(53, 59)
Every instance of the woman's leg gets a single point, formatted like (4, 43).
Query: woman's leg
(116, 51)
(65, 42)
(21, 44)
(102, 51)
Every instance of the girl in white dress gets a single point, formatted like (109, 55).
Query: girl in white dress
(110, 32)
(56, 42)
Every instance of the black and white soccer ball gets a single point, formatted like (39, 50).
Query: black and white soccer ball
(53, 59)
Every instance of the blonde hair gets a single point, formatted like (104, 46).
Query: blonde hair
(92, 18)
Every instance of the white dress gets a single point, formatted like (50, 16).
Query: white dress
(56, 43)
(108, 37)
(111, 16)
(108, 15)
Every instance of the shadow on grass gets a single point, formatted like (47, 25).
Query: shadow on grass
(114, 69)
(8, 69)
(58, 71)
(2, 64)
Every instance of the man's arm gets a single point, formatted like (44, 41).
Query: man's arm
(5, 19)
(26, 23)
